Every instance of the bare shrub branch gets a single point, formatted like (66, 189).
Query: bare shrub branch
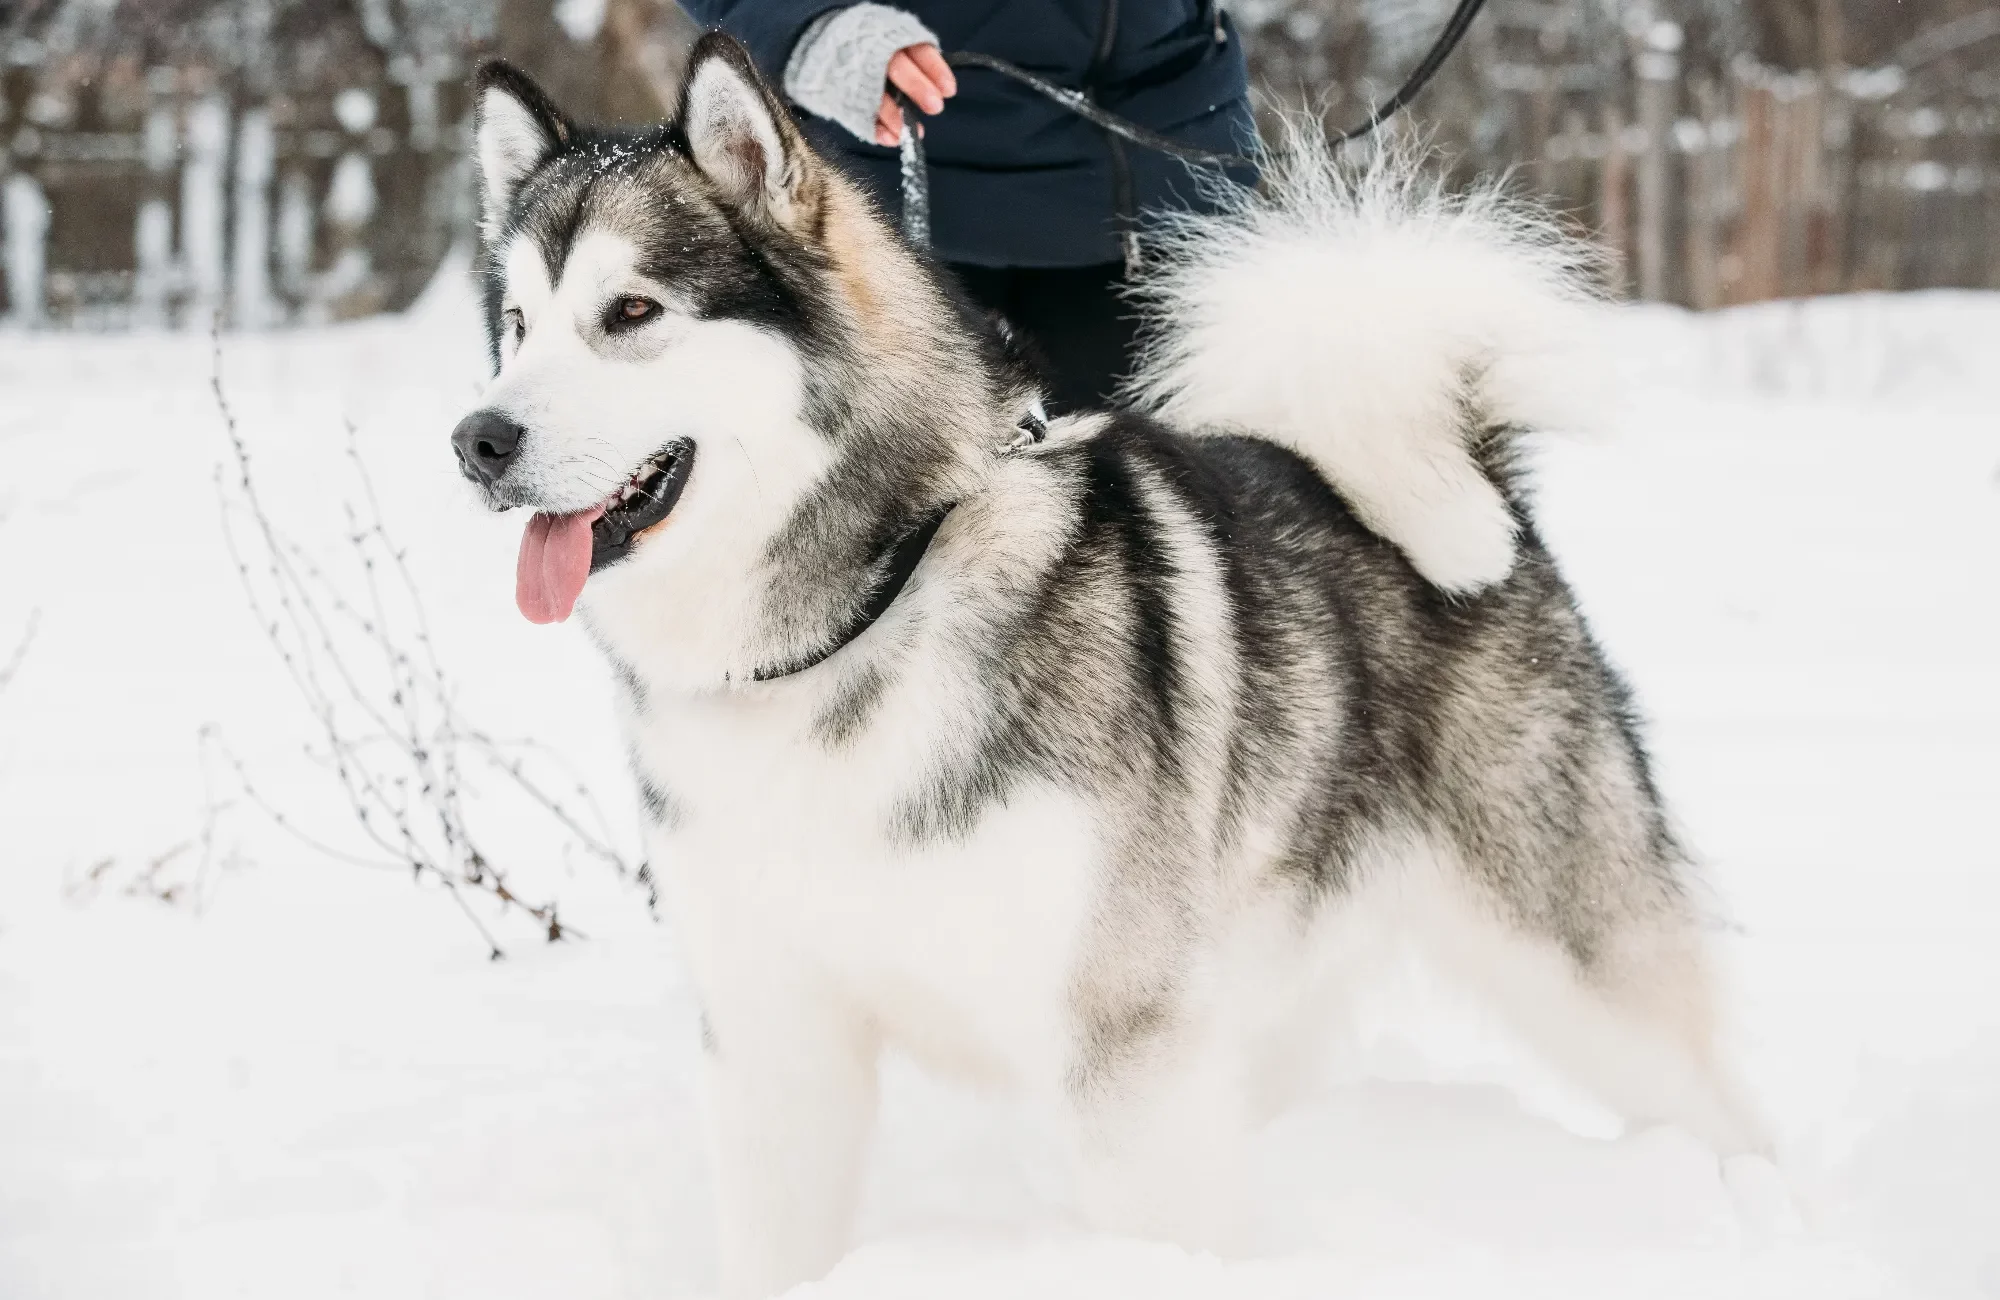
(13, 664)
(390, 732)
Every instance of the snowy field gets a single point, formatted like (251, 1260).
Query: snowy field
(299, 1077)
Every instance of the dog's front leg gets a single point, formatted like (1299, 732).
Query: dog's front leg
(1162, 1145)
(791, 1096)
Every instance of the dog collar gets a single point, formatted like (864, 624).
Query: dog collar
(904, 557)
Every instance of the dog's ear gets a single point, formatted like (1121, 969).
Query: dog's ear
(742, 138)
(516, 128)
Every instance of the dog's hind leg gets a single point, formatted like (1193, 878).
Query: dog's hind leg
(1637, 1025)
(1632, 1019)
(1157, 1091)
(1162, 1145)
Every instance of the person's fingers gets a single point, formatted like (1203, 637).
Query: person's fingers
(888, 121)
(907, 77)
(931, 63)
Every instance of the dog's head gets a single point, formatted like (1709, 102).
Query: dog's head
(721, 380)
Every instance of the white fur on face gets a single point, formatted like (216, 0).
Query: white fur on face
(596, 406)
(509, 142)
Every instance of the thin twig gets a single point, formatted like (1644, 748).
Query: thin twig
(13, 664)
(389, 726)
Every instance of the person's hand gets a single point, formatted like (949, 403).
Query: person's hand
(920, 72)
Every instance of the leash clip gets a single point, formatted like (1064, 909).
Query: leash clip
(1032, 429)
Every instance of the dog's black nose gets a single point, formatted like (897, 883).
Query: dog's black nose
(486, 442)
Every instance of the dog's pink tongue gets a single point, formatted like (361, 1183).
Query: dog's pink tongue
(555, 561)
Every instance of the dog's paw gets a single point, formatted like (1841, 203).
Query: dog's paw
(1766, 1204)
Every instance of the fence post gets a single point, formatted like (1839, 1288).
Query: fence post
(1756, 167)
(1796, 154)
(1613, 202)
(1704, 202)
(297, 229)
(1842, 192)
(153, 232)
(203, 182)
(348, 287)
(1809, 142)
(250, 268)
(25, 211)
(1659, 76)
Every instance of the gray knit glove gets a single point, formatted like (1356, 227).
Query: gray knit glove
(839, 67)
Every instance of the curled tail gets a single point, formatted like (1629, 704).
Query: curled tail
(1383, 329)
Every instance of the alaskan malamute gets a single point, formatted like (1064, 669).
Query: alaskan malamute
(1078, 756)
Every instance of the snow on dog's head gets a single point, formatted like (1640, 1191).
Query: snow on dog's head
(709, 353)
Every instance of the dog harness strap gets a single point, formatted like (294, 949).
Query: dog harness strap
(903, 561)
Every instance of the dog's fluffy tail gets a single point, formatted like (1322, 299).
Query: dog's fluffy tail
(1383, 329)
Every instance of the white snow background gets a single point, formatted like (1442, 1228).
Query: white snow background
(305, 1078)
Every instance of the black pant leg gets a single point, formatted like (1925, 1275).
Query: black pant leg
(1078, 330)
(989, 286)
(1082, 326)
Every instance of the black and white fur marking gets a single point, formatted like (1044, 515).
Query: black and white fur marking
(1177, 712)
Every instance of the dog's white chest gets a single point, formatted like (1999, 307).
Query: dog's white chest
(961, 951)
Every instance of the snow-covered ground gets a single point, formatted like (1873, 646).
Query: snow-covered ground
(305, 1078)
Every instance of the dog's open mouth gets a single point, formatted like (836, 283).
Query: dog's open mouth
(647, 498)
(560, 552)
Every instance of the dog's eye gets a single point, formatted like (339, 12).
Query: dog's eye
(517, 324)
(626, 312)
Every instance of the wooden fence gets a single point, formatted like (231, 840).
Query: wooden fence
(1760, 184)
(169, 195)
(1713, 180)
(292, 209)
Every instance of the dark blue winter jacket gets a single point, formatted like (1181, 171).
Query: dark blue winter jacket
(1015, 179)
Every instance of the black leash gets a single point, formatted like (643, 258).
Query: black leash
(1440, 50)
(916, 177)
